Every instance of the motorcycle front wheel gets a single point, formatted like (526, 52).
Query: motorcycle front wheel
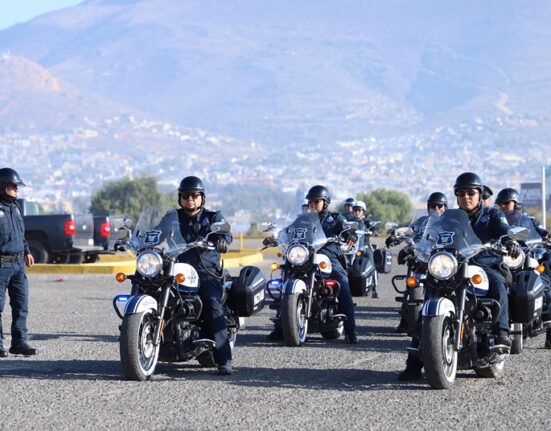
(138, 354)
(439, 356)
(293, 319)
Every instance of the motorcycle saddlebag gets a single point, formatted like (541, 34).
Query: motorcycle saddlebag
(246, 296)
(526, 297)
(361, 267)
(383, 260)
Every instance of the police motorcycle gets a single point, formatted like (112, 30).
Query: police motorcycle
(161, 317)
(362, 274)
(411, 293)
(307, 296)
(457, 316)
(526, 292)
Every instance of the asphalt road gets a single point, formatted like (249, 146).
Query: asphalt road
(76, 381)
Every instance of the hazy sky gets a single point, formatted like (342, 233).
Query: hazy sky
(18, 11)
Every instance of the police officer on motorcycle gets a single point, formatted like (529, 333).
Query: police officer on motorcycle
(437, 203)
(488, 224)
(487, 194)
(509, 200)
(319, 199)
(348, 213)
(14, 255)
(360, 211)
(195, 221)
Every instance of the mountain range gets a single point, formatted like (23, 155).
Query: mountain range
(279, 71)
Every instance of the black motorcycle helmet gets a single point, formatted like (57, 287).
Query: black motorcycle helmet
(487, 192)
(9, 176)
(319, 192)
(192, 184)
(349, 202)
(509, 194)
(468, 180)
(437, 198)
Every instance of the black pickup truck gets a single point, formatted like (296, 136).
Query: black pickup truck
(58, 238)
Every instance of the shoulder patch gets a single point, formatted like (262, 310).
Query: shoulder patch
(503, 220)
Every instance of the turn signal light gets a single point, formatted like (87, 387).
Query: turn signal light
(323, 265)
(540, 268)
(180, 278)
(411, 281)
(120, 277)
(274, 266)
(476, 279)
(358, 253)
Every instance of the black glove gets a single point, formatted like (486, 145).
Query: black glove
(221, 245)
(513, 248)
(404, 255)
(352, 238)
(391, 241)
(119, 245)
(269, 241)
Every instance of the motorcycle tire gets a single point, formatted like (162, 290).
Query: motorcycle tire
(138, 355)
(293, 319)
(439, 356)
(518, 339)
(358, 286)
(490, 372)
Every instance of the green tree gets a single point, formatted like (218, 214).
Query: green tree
(128, 196)
(388, 205)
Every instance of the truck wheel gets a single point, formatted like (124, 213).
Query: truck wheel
(38, 251)
(76, 258)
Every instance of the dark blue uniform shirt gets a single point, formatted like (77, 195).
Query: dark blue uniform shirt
(489, 224)
(333, 225)
(12, 230)
(196, 227)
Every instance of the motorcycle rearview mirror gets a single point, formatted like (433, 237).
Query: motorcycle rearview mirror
(220, 227)
(519, 233)
(404, 232)
(390, 226)
(267, 226)
(120, 223)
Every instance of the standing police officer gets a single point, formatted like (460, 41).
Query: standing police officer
(195, 221)
(14, 254)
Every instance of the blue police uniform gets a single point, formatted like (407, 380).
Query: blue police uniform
(13, 248)
(333, 225)
(207, 264)
(491, 224)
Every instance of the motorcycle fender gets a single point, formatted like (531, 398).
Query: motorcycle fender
(190, 274)
(480, 289)
(294, 286)
(140, 303)
(323, 260)
(438, 307)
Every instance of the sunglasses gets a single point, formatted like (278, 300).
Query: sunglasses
(186, 196)
(315, 201)
(504, 203)
(463, 193)
(436, 206)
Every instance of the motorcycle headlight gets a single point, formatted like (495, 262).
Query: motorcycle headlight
(514, 263)
(149, 264)
(442, 266)
(297, 255)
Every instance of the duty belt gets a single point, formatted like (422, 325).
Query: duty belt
(10, 257)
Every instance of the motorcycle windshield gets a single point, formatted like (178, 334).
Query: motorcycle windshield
(305, 229)
(158, 227)
(451, 230)
(521, 219)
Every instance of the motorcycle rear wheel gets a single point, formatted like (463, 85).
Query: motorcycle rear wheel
(138, 354)
(358, 286)
(293, 319)
(518, 339)
(439, 356)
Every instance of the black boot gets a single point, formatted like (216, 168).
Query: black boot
(402, 327)
(411, 373)
(351, 338)
(3, 352)
(23, 348)
(548, 339)
(225, 370)
(502, 338)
